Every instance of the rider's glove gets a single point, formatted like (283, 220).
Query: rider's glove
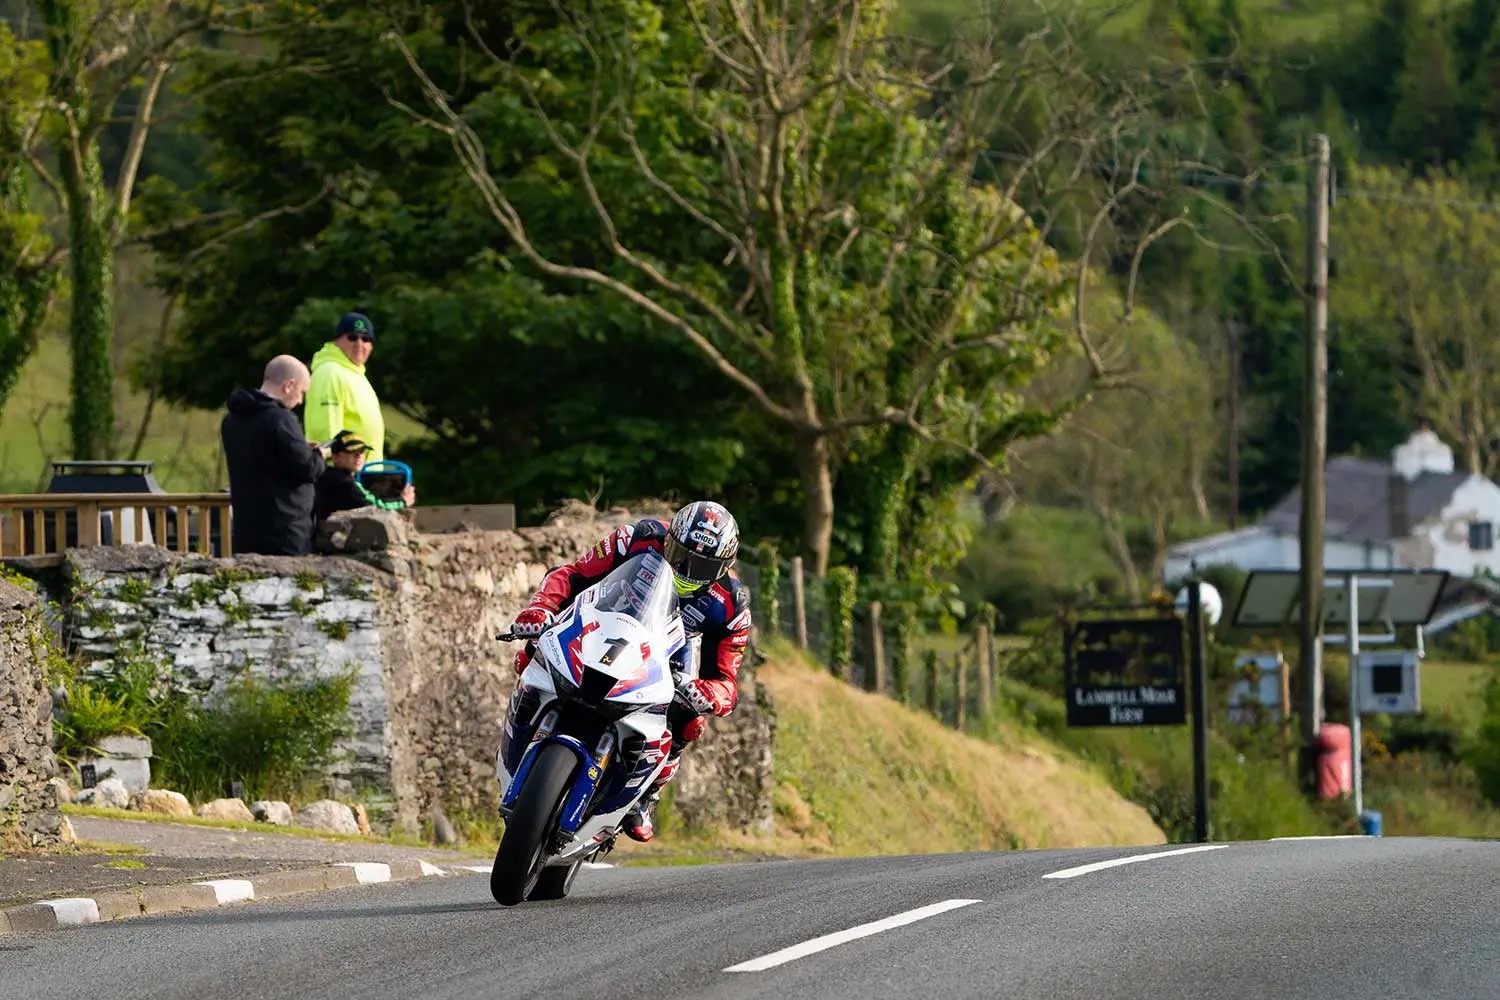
(531, 622)
(697, 695)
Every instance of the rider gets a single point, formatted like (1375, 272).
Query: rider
(700, 545)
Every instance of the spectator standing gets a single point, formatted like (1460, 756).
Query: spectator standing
(272, 466)
(341, 397)
(340, 489)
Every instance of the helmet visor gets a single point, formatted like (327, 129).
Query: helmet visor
(693, 571)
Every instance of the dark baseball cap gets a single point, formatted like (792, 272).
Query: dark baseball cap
(355, 323)
(347, 442)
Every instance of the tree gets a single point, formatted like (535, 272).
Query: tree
(1136, 455)
(1426, 122)
(816, 159)
(27, 259)
(99, 50)
(322, 195)
(1426, 278)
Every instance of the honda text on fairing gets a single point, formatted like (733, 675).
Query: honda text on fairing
(586, 733)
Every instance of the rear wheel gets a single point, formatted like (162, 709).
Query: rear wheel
(518, 862)
(555, 882)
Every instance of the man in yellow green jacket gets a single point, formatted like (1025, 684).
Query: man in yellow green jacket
(340, 397)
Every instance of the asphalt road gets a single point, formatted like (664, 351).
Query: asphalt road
(1323, 919)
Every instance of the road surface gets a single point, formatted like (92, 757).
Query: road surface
(1326, 918)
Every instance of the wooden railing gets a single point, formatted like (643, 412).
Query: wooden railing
(40, 526)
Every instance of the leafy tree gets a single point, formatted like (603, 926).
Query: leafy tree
(1426, 121)
(27, 259)
(798, 140)
(1135, 453)
(97, 52)
(528, 390)
(1425, 277)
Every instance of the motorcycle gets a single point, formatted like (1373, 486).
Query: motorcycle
(586, 731)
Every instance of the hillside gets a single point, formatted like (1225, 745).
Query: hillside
(859, 774)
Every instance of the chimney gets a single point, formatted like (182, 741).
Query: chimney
(1398, 498)
(1422, 452)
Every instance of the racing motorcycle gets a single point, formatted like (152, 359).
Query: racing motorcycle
(586, 731)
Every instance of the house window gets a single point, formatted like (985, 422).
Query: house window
(1481, 536)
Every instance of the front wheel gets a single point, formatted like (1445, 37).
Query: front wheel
(554, 882)
(518, 862)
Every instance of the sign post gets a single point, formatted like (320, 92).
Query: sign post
(1198, 631)
(1129, 672)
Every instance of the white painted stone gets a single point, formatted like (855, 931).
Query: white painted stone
(271, 591)
(329, 816)
(110, 793)
(275, 812)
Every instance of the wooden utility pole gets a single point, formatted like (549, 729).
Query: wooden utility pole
(1314, 456)
(1232, 415)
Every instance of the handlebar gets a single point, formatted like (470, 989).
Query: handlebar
(506, 637)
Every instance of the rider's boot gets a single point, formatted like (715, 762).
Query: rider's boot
(638, 824)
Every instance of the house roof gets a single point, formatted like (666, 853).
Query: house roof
(1358, 498)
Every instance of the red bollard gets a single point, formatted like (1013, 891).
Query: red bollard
(1335, 765)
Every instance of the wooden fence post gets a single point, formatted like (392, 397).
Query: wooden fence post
(986, 670)
(799, 601)
(875, 671)
(959, 686)
(930, 659)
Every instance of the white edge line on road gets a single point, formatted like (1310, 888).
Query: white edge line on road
(230, 890)
(597, 864)
(827, 941)
(429, 869)
(1327, 836)
(481, 869)
(367, 872)
(1116, 862)
(73, 912)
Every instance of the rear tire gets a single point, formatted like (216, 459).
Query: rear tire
(555, 882)
(517, 868)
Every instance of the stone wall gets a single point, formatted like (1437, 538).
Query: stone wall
(416, 615)
(28, 805)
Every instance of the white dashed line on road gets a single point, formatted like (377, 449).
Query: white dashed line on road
(1133, 859)
(827, 941)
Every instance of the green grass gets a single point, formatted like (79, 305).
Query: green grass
(1456, 688)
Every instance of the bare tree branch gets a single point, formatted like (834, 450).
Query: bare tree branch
(472, 156)
(134, 148)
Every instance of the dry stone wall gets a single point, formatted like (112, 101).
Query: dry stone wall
(28, 804)
(416, 616)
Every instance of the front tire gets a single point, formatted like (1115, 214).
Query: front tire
(518, 862)
(555, 882)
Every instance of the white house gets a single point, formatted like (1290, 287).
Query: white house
(1414, 512)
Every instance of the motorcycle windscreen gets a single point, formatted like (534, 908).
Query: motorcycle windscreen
(640, 588)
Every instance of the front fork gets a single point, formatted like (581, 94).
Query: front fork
(586, 781)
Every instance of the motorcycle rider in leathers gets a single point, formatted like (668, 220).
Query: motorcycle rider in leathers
(699, 544)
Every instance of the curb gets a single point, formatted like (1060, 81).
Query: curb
(51, 914)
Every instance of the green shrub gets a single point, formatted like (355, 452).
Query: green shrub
(1484, 754)
(96, 706)
(274, 738)
(841, 585)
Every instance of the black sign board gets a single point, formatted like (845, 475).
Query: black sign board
(88, 775)
(1125, 672)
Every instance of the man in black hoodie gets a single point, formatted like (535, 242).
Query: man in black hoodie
(272, 466)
